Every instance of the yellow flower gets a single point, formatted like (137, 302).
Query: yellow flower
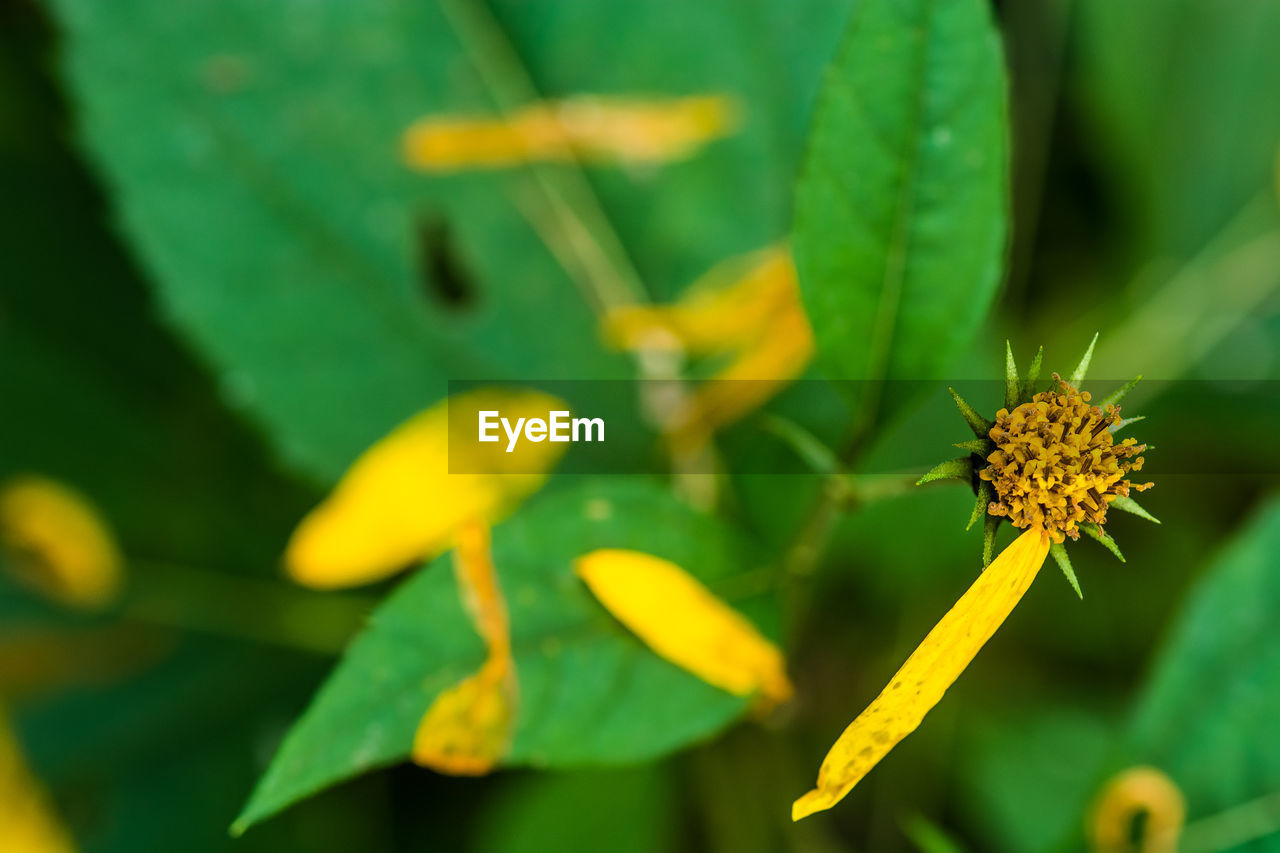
(683, 622)
(27, 824)
(399, 503)
(927, 674)
(1056, 464)
(1138, 791)
(468, 727)
(57, 543)
(1053, 469)
(747, 309)
(593, 129)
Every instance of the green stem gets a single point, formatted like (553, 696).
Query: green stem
(571, 221)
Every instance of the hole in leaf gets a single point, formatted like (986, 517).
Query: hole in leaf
(444, 277)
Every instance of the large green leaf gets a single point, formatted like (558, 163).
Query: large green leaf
(900, 210)
(1207, 715)
(590, 692)
(254, 153)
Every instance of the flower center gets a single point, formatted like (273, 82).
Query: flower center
(1056, 464)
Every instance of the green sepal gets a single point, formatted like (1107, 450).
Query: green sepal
(986, 494)
(1011, 386)
(1033, 376)
(980, 425)
(960, 468)
(1059, 552)
(820, 458)
(989, 527)
(1131, 506)
(980, 446)
(1097, 534)
(1117, 395)
(1124, 422)
(1077, 375)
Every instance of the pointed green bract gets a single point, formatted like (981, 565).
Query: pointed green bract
(960, 468)
(990, 525)
(1059, 552)
(974, 445)
(1077, 375)
(1012, 388)
(1117, 395)
(986, 494)
(1124, 422)
(1101, 536)
(1033, 376)
(1129, 505)
(981, 426)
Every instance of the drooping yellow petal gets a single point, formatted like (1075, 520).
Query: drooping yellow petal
(593, 129)
(748, 308)
(1133, 792)
(406, 496)
(27, 824)
(683, 622)
(927, 674)
(725, 310)
(57, 543)
(468, 727)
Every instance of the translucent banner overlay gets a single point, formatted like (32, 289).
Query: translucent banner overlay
(1192, 427)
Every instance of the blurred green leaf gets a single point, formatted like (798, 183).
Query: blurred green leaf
(254, 150)
(590, 692)
(1206, 713)
(900, 210)
(576, 812)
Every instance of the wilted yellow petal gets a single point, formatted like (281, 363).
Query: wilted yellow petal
(1138, 791)
(468, 727)
(399, 503)
(27, 824)
(727, 309)
(683, 622)
(56, 542)
(747, 307)
(594, 129)
(927, 674)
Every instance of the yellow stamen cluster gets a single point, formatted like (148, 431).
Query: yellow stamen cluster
(1056, 464)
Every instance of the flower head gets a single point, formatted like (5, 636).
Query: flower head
(1056, 464)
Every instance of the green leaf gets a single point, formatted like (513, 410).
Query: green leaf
(571, 812)
(590, 692)
(334, 289)
(960, 468)
(1131, 506)
(1117, 395)
(1012, 387)
(900, 217)
(1077, 375)
(1059, 552)
(981, 426)
(1214, 693)
(1101, 536)
(1033, 376)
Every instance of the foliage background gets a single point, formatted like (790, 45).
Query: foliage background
(174, 356)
